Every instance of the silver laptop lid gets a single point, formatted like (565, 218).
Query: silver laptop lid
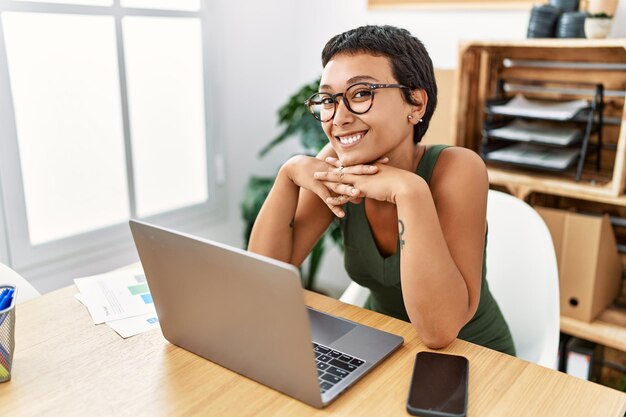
(243, 311)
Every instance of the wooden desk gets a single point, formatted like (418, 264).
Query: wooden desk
(66, 366)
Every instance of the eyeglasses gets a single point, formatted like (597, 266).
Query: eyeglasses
(358, 98)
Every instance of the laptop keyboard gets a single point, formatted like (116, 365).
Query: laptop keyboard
(333, 365)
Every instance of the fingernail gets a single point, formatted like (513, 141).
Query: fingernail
(372, 168)
(354, 191)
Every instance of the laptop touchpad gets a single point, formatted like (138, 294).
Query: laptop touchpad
(326, 329)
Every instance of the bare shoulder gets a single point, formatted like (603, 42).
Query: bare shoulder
(459, 170)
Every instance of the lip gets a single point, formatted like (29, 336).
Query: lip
(350, 139)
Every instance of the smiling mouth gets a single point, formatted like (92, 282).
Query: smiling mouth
(351, 139)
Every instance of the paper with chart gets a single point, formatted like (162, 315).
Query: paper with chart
(116, 295)
(133, 325)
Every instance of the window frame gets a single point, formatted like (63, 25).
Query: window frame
(110, 246)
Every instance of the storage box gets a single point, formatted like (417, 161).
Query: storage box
(590, 270)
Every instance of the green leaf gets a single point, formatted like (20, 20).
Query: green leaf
(296, 120)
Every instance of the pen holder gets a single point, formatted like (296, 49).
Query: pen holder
(7, 336)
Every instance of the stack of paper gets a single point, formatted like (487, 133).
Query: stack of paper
(537, 131)
(120, 299)
(555, 110)
(536, 155)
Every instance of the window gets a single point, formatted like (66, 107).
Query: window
(106, 120)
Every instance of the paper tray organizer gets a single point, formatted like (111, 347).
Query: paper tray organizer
(589, 117)
(7, 337)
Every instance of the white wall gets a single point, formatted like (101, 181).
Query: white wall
(254, 77)
(619, 21)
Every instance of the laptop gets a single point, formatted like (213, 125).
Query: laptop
(246, 312)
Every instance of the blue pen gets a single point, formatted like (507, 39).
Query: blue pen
(6, 299)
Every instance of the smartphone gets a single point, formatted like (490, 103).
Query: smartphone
(438, 386)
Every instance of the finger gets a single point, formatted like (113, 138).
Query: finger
(356, 169)
(382, 160)
(345, 189)
(335, 204)
(360, 170)
(333, 161)
(323, 193)
(338, 200)
(337, 210)
(334, 176)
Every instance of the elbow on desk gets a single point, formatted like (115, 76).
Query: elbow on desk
(437, 340)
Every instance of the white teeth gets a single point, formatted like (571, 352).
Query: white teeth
(346, 140)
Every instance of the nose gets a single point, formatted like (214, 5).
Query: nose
(343, 116)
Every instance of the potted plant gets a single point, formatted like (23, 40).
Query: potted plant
(598, 25)
(297, 123)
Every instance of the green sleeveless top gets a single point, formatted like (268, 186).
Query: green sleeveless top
(381, 275)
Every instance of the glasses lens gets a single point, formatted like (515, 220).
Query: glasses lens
(360, 98)
(322, 106)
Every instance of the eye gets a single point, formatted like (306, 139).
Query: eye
(327, 101)
(362, 94)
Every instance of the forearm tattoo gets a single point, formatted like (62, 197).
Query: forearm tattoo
(401, 237)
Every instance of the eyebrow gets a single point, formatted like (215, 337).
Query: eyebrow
(351, 81)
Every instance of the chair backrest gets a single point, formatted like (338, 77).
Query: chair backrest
(25, 290)
(523, 277)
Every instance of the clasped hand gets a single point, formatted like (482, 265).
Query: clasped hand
(352, 183)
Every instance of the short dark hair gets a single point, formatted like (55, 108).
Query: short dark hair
(410, 62)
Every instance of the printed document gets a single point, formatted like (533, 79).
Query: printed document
(536, 155)
(537, 131)
(554, 110)
(130, 326)
(115, 295)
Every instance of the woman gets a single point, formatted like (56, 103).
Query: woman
(412, 216)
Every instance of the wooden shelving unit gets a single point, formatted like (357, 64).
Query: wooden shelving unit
(482, 64)
(609, 329)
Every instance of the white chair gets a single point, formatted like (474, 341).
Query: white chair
(523, 277)
(25, 290)
(522, 274)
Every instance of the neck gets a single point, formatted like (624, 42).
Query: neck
(407, 157)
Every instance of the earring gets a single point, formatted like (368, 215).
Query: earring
(410, 117)
(421, 120)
